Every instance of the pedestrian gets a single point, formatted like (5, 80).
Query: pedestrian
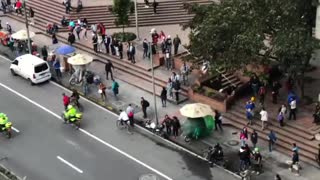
(262, 94)
(95, 42)
(177, 90)
(31, 15)
(112, 46)
(99, 44)
(275, 91)
(295, 147)
(102, 91)
(3, 5)
(108, 68)
(264, 118)
(130, 112)
(168, 59)
(107, 42)
(8, 27)
(254, 138)
(272, 138)
(167, 123)
(185, 69)
(78, 31)
(144, 105)
(115, 88)
(85, 28)
(145, 46)
(295, 163)
(170, 88)
(283, 109)
(292, 108)
(120, 49)
(57, 66)
(277, 177)
(44, 53)
(79, 5)
(71, 38)
(280, 118)
(176, 44)
(68, 6)
(155, 4)
(254, 83)
(132, 52)
(66, 100)
(258, 160)
(176, 126)
(243, 137)
(218, 120)
(243, 158)
(18, 7)
(54, 39)
(249, 115)
(163, 96)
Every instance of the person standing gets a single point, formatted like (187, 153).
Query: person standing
(57, 66)
(218, 120)
(8, 27)
(176, 44)
(44, 53)
(293, 108)
(102, 91)
(155, 4)
(71, 38)
(78, 31)
(254, 83)
(170, 88)
(115, 88)
(18, 7)
(280, 118)
(262, 94)
(120, 49)
(130, 112)
(185, 69)
(66, 100)
(167, 123)
(31, 15)
(145, 48)
(108, 68)
(272, 140)
(68, 6)
(243, 137)
(54, 39)
(275, 91)
(175, 126)
(264, 118)
(107, 42)
(144, 105)
(132, 52)
(95, 43)
(295, 162)
(163, 96)
(254, 138)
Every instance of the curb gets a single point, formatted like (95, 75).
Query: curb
(141, 129)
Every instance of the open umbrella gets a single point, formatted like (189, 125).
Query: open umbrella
(80, 59)
(22, 35)
(196, 110)
(65, 49)
(3, 34)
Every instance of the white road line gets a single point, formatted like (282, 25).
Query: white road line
(89, 134)
(69, 164)
(5, 58)
(15, 129)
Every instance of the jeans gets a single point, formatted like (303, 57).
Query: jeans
(271, 143)
(292, 113)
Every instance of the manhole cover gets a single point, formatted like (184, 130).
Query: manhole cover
(233, 143)
(148, 177)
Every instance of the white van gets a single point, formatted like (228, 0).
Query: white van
(32, 68)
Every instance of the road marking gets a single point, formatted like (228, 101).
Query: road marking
(15, 129)
(87, 133)
(69, 164)
(5, 58)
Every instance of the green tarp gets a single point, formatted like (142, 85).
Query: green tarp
(198, 127)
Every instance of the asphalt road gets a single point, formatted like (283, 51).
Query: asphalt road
(45, 146)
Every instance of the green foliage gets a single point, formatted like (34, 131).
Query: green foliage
(122, 9)
(125, 37)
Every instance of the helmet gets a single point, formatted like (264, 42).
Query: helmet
(2, 114)
(256, 149)
(69, 107)
(253, 99)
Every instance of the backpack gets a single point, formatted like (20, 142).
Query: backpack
(130, 114)
(147, 103)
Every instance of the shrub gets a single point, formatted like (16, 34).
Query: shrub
(124, 37)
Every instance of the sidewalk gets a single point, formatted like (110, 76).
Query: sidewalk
(274, 163)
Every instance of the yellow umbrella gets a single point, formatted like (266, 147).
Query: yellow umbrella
(80, 59)
(22, 35)
(196, 110)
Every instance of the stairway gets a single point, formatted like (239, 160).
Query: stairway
(290, 133)
(133, 74)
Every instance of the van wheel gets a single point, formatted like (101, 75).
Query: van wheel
(31, 83)
(12, 72)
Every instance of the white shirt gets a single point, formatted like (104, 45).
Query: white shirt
(129, 109)
(293, 104)
(123, 116)
(283, 110)
(264, 115)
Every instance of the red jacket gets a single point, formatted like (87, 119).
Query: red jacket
(18, 4)
(66, 100)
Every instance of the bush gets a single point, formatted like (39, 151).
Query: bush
(124, 37)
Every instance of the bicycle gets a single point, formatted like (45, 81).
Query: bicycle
(124, 125)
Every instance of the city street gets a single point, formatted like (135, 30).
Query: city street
(45, 148)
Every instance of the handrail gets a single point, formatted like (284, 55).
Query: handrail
(224, 76)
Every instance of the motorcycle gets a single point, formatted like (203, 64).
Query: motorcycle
(6, 129)
(75, 123)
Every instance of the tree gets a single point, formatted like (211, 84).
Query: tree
(233, 33)
(122, 9)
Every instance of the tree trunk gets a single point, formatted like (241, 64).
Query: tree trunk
(122, 33)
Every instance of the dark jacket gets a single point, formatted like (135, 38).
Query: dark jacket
(295, 157)
(254, 138)
(176, 41)
(120, 47)
(44, 52)
(108, 66)
(71, 38)
(163, 94)
(176, 124)
(144, 103)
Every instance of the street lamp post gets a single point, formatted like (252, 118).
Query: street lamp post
(136, 16)
(27, 25)
(153, 86)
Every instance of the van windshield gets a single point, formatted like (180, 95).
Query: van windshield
(41, 67)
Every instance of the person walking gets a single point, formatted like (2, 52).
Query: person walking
(176, 44)
(254, 83)
(144, 105)
(257, 167)
(243, 137)
(175, 126)
(54, 39)
(44, 53)
(163, 96)
(115, 88)
(31, 15)
(185, 69)
(78, 30)
(218, 120)
(249, 115)
(65, 100)
(108, 68)
(264, 118)
(95, 43)
(272, 138)
(254, 138)
(283, 109)
(102, 91)
(280, 117)
(155, 4)
(71, 38)
(18, 7)
(68, 6)
(295, 163)
(292, 108)
(57, 66)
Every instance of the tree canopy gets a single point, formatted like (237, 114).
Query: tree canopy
(122, 9)
(232, 33)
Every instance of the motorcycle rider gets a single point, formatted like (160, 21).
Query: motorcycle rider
(72, 116)
(216, 154)
(75, 97)
(3, 120)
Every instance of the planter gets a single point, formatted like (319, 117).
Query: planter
(221, 106)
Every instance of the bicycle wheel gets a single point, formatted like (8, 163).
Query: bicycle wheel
(118, 124)
(73, 82)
